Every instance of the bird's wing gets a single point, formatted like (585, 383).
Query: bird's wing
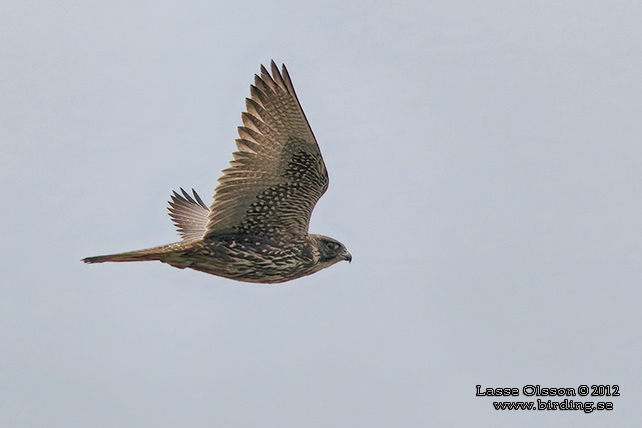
(277, 175)
(190, 215)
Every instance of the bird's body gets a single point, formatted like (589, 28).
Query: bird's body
(245, 258)
(256, 229)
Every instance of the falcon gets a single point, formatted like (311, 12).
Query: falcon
(256, 229)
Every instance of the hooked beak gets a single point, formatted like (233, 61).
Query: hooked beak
(347, 256)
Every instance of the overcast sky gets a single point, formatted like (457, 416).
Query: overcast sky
(485, 173)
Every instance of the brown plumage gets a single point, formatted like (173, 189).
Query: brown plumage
(256, 229)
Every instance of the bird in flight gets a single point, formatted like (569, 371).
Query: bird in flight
(256, 229)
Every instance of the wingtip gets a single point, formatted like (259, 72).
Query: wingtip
(275, 69)
(264, 71)
(275, 65)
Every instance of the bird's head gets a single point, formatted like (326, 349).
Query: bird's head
(330, 250)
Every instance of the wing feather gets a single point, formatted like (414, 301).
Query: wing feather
(190, 215)
(278, 173)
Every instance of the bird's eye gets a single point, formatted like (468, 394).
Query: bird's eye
(332, 246)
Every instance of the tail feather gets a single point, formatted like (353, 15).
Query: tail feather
(157, 253)
(122, 257)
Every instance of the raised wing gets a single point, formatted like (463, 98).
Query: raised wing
(277, 175)
(190, 215)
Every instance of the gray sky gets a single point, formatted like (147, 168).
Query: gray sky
(485, 169)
